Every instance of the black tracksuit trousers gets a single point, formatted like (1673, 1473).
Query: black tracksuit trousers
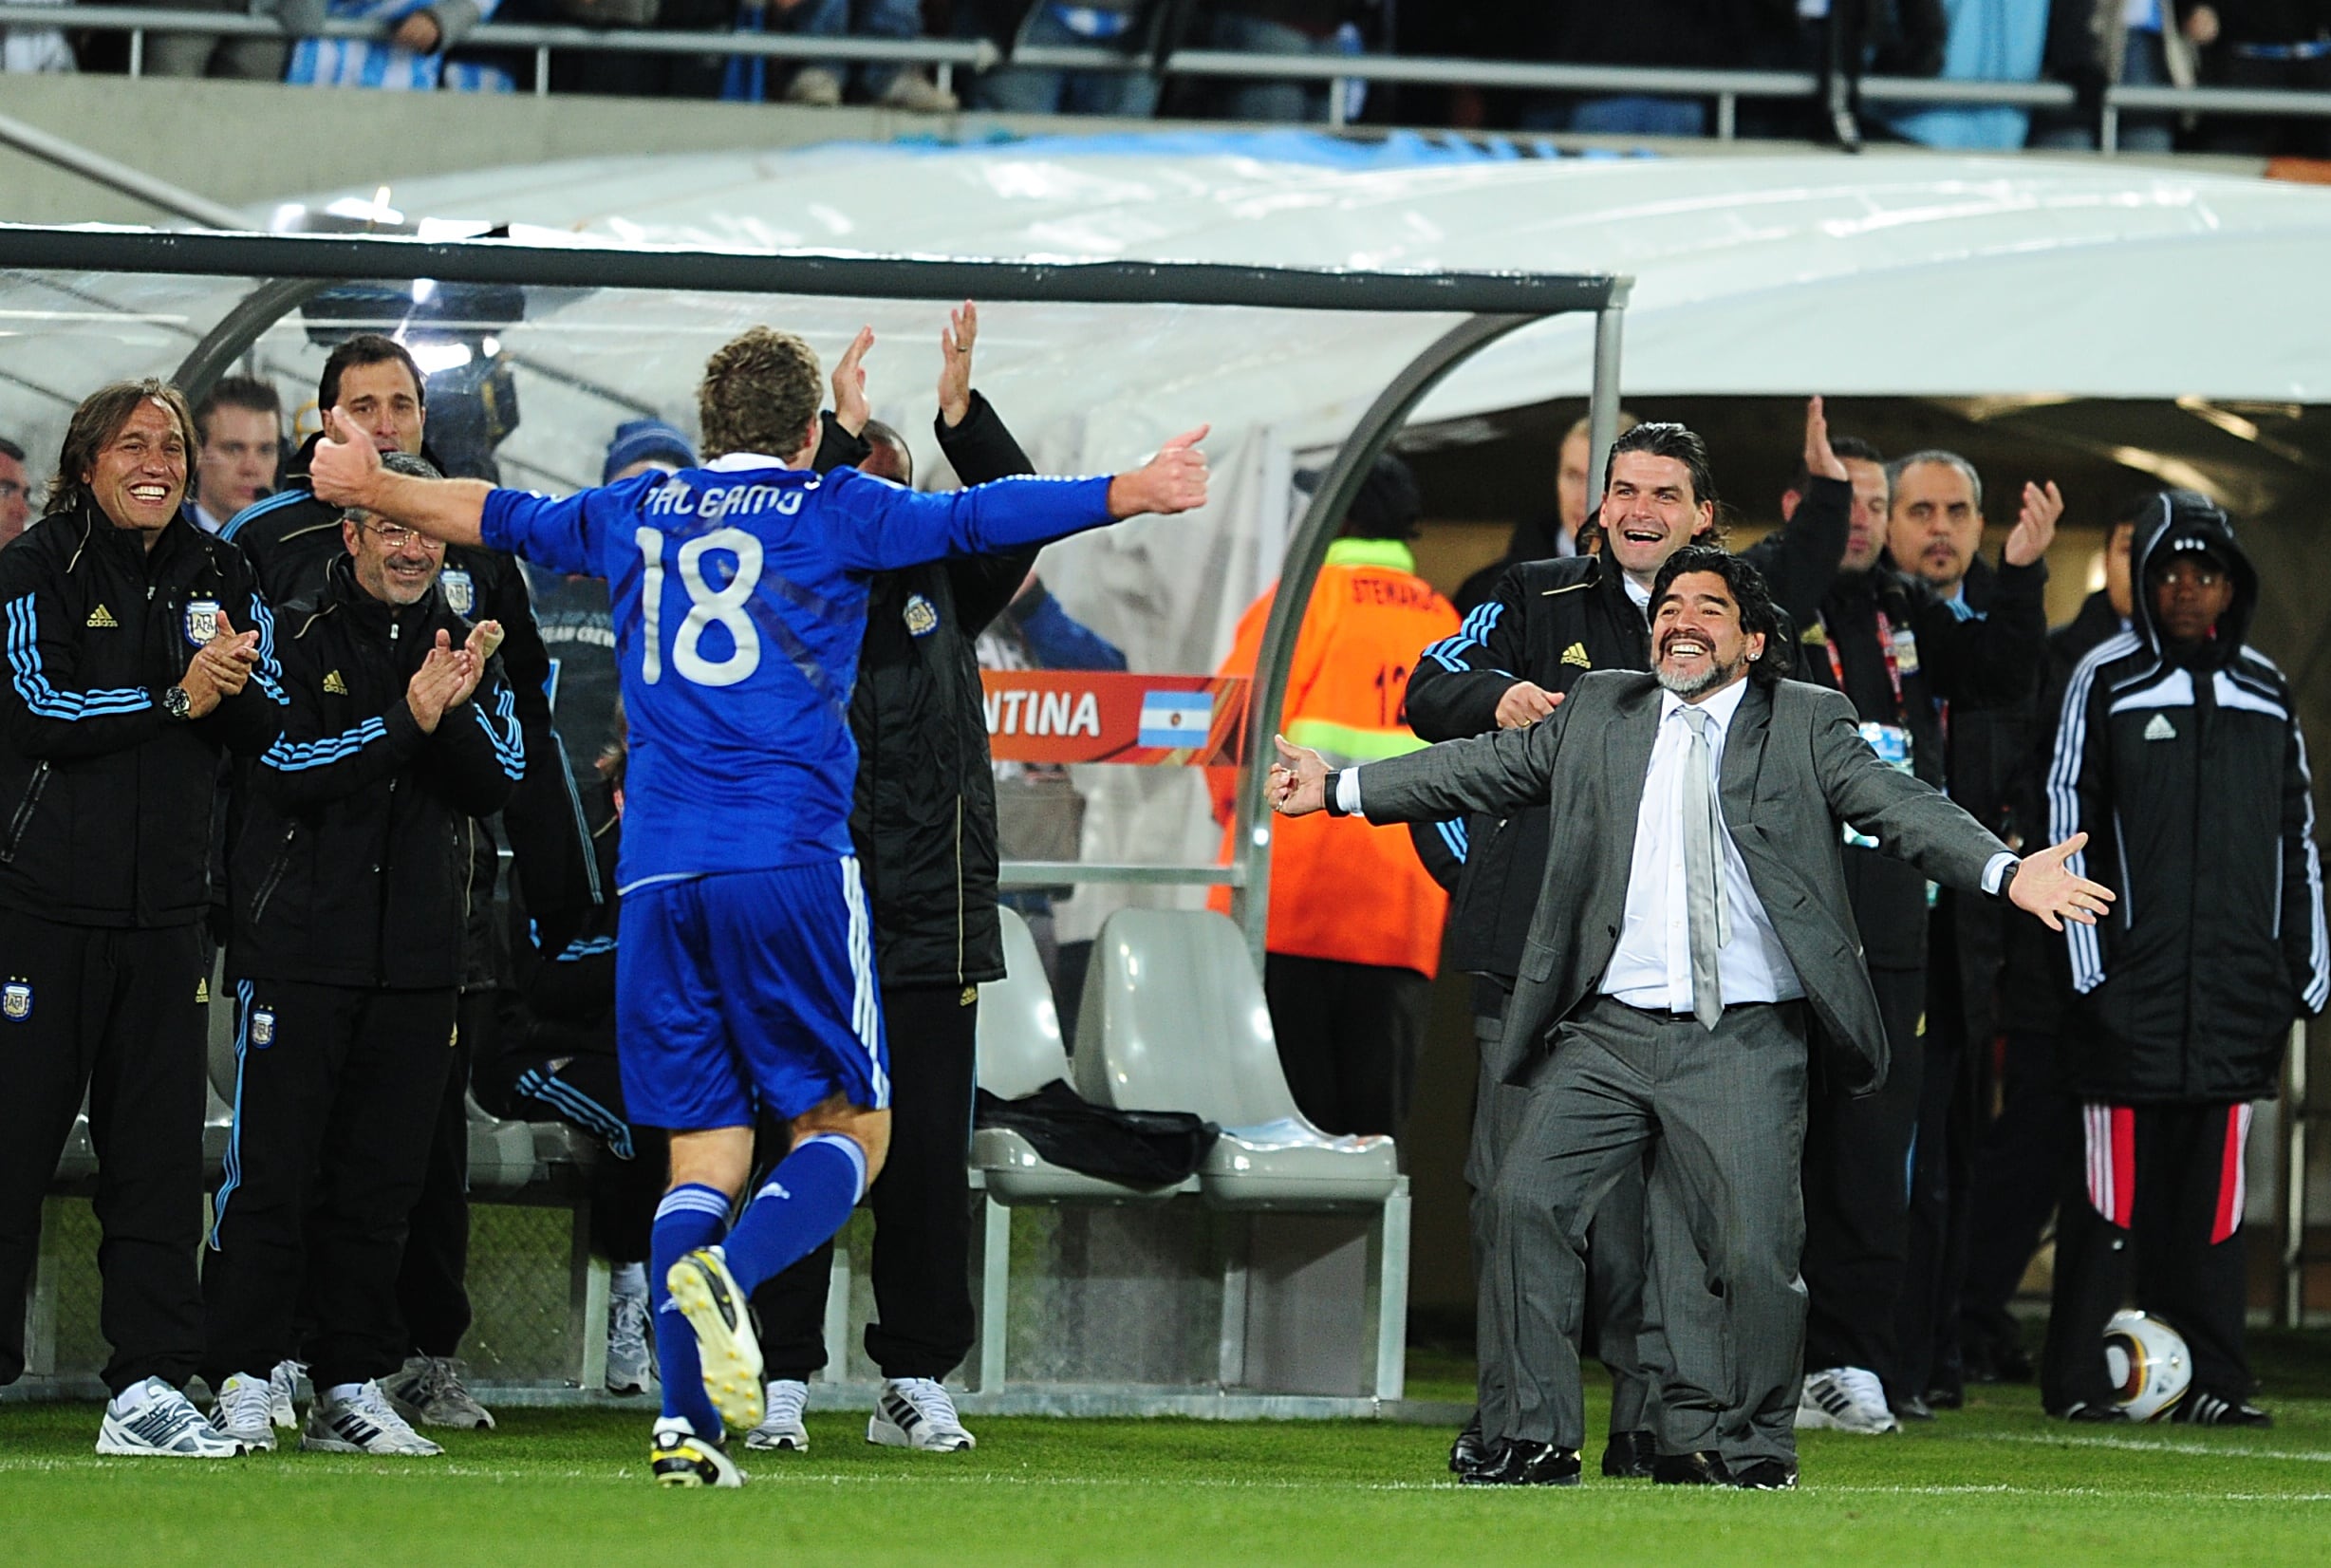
(922, 1202)
(433, 1283)
(2155, 1202)
(2018, 1173)
(337, 1090)
(113, 1013)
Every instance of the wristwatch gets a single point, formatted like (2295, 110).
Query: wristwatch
(2006, 878)
(1336, 785)
(176, 704)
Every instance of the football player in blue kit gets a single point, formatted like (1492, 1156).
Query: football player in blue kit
(745, 963)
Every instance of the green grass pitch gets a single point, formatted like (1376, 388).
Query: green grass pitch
(1994, 1484)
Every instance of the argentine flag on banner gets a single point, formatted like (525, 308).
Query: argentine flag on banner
(1177, 721)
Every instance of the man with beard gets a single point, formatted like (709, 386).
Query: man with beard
(1906, 660)
(1693, 920)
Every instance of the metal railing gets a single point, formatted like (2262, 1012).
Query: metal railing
(1726, 89)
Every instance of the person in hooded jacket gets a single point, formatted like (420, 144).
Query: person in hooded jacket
(2179, 754)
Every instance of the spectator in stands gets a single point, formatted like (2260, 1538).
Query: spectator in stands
(1544, 628)
(346, 954)
(2265, 44)
(1899, 652)
(923, 820)
(2179, 754)
(556, 1058)
(143, 652)
(36, 49)
(891, 86)
(1125, 25)
(664, 75)
(1676, 34)
(411, 58)
(293, 542)
(1354, 919)
(15, 491)
(254, 58)
(1550, 534)
(2098, 44)
(1989, 41)
(1284, 27)
(240, 421)
(2036, 1134)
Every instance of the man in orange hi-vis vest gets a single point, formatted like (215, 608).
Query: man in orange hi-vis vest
(1355, 920)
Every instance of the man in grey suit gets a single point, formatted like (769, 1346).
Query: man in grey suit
(1692, 929)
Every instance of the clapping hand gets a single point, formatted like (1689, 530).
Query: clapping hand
(1821, 461)
(226, 661)
(955, 341)
(850, 409)
(2035, 525)
(446, 678)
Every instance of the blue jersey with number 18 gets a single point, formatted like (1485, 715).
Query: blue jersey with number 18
(739, 593)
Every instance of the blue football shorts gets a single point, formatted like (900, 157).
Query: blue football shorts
(740, 988)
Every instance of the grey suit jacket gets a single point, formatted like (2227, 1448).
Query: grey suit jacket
(1793, 767)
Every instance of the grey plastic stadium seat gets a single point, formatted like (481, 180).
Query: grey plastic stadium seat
(218, 1130)
(1019, 1052)
(501, 1153)
(78, 1161)
(1174, 1020)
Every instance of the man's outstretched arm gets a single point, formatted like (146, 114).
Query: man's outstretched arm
(1499, 774)
(347, 472)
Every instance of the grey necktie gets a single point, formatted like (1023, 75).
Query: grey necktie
(1702, 877)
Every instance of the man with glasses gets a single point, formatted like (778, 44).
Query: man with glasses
(2179, 754)
(351, 890)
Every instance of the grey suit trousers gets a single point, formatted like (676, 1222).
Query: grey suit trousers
(1726, 1113)
(1615, 1259)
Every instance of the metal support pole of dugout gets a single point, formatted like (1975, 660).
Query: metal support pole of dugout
(1307, 550)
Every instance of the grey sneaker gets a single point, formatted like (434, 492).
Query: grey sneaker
(242, 1411)
(817, 86)
(428, 1391)
(917, 94)
(364, 1424)
(917, 1413)
(781, 1425)
(282, 1386)
(167, 1426)
(631, 1367)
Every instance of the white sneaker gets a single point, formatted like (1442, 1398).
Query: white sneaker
(817, 86)
(244, 1412)
(917, 94)
(364, 1424)
(1845, 1399)
(781, 1427)
(631, 1366)
(282, 1386)
(680, 1458)
(164, 1424)
(915, 1413)
(711, 1302)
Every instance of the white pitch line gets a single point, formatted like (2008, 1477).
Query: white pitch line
(2135, 1445)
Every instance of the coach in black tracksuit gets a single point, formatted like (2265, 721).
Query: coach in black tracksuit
(2178, 752)
(292, 539)
(106, 783)
(351, 881)
(923, 822)
(1898, 653)
(1548, 623)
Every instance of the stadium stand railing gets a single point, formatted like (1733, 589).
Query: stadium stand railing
(1725, 89)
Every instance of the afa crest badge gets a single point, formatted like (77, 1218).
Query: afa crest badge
(201, 620)
(263, 1027)
(16, 1001)
(460, 591)
(922, 619)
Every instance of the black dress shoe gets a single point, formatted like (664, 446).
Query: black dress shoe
(1910, 1407)
(1470, 1448)
(1704, 1468)
(1630, 1456)
(1516, 1463)
(1765, 1475)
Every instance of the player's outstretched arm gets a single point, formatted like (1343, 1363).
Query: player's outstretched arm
(1174, 480)
(347, 472)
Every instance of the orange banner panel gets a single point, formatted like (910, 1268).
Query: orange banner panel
(1096, 716)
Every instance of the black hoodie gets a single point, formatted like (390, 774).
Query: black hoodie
(2187, 770)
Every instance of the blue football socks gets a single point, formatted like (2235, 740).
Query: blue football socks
(690, 1217)
(805, 1201)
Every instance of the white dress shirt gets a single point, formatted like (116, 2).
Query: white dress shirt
(1652, 966)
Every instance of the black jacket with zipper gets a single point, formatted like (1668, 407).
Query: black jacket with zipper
(924, 815)
(109, 802)
(1549, 623)
(355, 866)
(2188, 771)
